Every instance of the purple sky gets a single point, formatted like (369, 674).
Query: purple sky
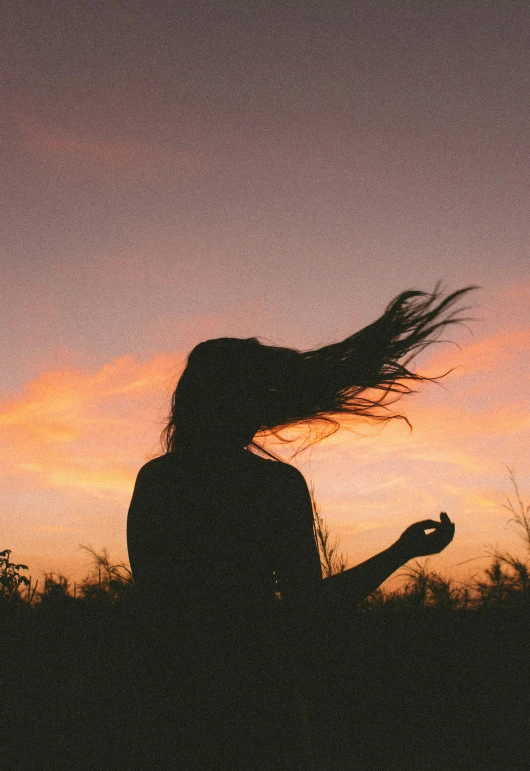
(176, 171)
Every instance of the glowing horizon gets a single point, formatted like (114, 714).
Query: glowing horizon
(80, 435)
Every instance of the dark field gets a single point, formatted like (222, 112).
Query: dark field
(424, 690)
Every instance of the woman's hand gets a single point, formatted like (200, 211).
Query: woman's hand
(415, 542)
(355, 584)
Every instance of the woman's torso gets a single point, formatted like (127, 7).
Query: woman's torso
(203, 538)
(202, 534)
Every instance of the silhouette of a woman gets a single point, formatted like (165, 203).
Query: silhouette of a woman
(220, 538)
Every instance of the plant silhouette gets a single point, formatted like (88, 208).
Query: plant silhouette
(82, 690)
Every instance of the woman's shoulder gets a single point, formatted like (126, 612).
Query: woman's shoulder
(281, 474)
(156, 467)
(277, 471)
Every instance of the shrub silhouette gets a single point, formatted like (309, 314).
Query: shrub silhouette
(107, 583)
(433, 629)
(10, 579)
(55, 595)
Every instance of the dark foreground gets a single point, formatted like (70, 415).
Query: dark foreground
(424, 691)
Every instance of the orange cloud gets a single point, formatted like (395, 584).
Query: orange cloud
(84, 433)
(86, 430)
(487, 355)
(372, 483)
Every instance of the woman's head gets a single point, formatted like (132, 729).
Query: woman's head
(232, 388)
(226, 392)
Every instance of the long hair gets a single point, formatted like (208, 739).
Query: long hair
(232, 384)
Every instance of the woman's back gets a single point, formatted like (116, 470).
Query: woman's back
(203, 533)
(205, 538)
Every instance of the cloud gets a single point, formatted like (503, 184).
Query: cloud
(84, 433)
(490, 354)
(371, 483)
(87, 430)
(103, 154)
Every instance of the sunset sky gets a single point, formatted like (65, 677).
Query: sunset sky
(176, 171)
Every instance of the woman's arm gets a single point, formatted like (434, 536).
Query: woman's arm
(356, 584)
(299, 572)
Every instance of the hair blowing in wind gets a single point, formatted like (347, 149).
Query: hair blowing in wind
(273, 387)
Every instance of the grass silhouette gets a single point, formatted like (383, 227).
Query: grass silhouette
(435, 675)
